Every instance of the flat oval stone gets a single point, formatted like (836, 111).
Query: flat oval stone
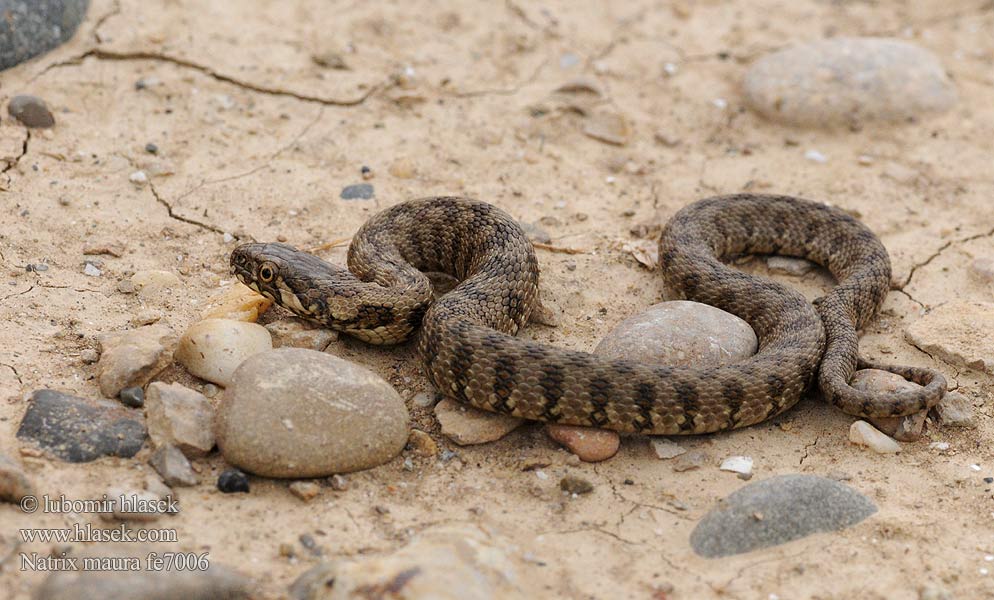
(31, 111)
(845, 81)
(213, 348)
(680, 333)
(777, 510)
(293, 412)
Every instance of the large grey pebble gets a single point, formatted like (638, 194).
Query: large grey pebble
(170, 463)
(680, 333)
(775, 511)
(33, 112)
(292, 412)
(132, 358)
(79, 429)
(217, 582)
(448, 562)
(843, 81)
(31, 27)
(180, 417)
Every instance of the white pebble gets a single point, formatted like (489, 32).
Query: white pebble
(975, 467)
(737, 464)
(664, 448)
(670, 68)
(138, 177)
(815, 156)
(91, 270)
(228, 238)
(541, 475)
(864, 434)
(720, 103)
(941, 446)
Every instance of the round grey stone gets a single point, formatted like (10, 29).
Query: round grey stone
(775, 511)
(32, 112)
(293, 412)
(847, 81)
(680, 333)
(358, 191)
(31, 27)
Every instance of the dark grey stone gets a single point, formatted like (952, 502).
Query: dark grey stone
(31, 27)
(359, 191)
(79, 429)
(133, 397)
(775, 511)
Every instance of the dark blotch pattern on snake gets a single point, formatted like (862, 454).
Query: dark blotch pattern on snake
(467, 344)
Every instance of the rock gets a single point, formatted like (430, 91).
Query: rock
(212, 349)
(588, 443)
(359, 191)
(232, 481)
(690, 461)
(608, 127)
(905, 429)
(33, 27)
(982, 269)
(536, 233)
(152, 282)
(466, 425)
(89, 356)
(402, 169)
(575, 485)
(79, 429)
(298, 413)
(132, 397)
(846, 81)
(775, 511)
(132, 358)
(954, 410)
(139, 178)
(330, 60)
(448, 562)
(422, 444)
(305, 490)
(133, 505)
(14, 482)
(237, 302)
(137, 577)
(172, 465)
(958, 333)
(299, 333)
(738, 464)
(680, 333)
(663, 448)
(339, 483)
(789, 265)
(931, 591)
(863, 434)
(180, 417)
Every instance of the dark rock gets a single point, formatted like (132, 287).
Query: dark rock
(133, 397)
(173, 466)
(31, 111)
(151, 148)
(79, 429)
(359, 191)
(777, 510)
(232, 481)
(31, 27)
(575, 485)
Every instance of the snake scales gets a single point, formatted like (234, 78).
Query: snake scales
(466, 340)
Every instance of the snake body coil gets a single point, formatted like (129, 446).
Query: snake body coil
(466, 340)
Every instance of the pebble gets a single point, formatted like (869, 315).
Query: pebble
(690, 461)
(358, 191)
(575, 485)
(231, 481)
(775, 511)
(33, 27)
(846, 81)
(14, 482)
(330, 60)
(905, 429)
(664, 449)
(132, 358)
(172, 465)
(863, 434)
(299, 333)
(238, 302)
(738, 464)
(138, 178)
(445, 562)
(205, 581)
(213, 348)
(588, 443)
(815, 156)
(608, 127)
(536, 233)
(982, 269)
(31, 111)
(339, 483)
(151, 148)
(179, 416)
(680, 333)
(91, 271)
(789, 265)
(132, 397)
(305, 490)
(421, 444)
(150, 282)
(466, 425)
(958, 333)
(89, 355)
(80, 429)
(295, 413)
(954, 410)
(402, 169)
(931, 591)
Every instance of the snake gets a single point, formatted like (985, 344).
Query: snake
(466, 338)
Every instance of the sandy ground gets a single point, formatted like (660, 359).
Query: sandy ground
(260, 140)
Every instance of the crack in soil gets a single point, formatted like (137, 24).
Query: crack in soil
(181, 218)
(938, 252)
(11, 163)
(808, 447)
(16, 374)
(21, 293)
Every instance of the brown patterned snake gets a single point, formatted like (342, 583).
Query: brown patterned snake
(466, 341)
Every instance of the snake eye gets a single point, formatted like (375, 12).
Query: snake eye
(266, 273)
